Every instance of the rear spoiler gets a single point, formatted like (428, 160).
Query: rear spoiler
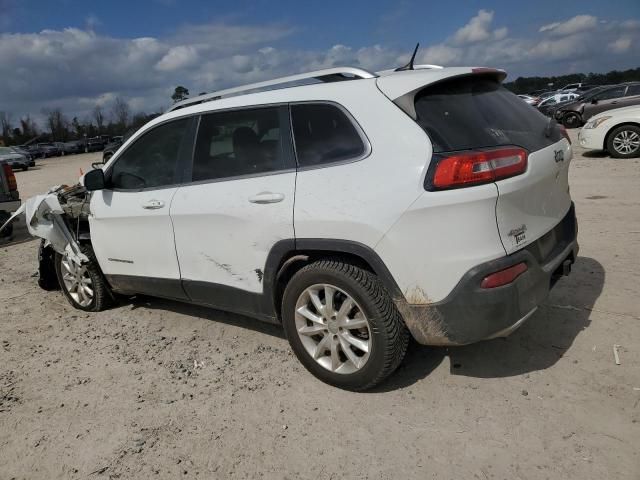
(401, 88)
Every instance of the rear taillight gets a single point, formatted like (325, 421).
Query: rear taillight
(564, 132)
(11, 178)
(504, 277)
(474, 168)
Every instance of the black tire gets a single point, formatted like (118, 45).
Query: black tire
(102, 296)
(8, 230)
(389, 335)
(106, 157)
(25, 168)
(571, 120)
(631, 130)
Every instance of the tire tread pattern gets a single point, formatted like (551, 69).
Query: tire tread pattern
(388, 315)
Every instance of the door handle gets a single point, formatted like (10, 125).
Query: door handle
(153, 204)
(266, 197)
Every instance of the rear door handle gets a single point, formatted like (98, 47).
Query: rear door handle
(267, 197)
(153, 204)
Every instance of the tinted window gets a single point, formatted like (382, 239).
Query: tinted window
(324, 134)
(611, 93)
(237, 143)
(633, 90)
(477, 112)
(152, 160)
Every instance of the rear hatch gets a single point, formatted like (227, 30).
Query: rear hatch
(472, 118)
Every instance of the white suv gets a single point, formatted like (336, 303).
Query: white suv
(357, 209)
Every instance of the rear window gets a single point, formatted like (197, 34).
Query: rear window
(477, 112)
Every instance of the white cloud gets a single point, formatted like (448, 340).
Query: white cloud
(477, 30)
(621, 45)
(76, 69)
(178, 57)
(579, 23)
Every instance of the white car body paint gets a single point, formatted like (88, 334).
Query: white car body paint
(129, 238)
(537, 200)
(595, 138)
(225, 229)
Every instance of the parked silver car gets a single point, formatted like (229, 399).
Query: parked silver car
(15, 160)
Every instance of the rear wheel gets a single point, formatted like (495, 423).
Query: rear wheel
(624, 142)
(342, 325)
(571, 120)
(83, 285)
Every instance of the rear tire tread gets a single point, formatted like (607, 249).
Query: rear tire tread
(386, 312)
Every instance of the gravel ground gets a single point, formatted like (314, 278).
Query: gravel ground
(157, 389)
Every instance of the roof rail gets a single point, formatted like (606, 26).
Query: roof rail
(328, 75)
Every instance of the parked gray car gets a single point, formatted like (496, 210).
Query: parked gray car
(13, 159)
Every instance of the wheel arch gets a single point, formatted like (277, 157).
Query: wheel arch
(615, 127)
(289, 256)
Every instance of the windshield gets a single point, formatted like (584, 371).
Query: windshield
(477, 112)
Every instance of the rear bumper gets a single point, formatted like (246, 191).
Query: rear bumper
(470, 314)
(10, 206)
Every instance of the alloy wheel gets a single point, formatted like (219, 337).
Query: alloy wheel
(333, 328)
(77, 281)
(626, 142)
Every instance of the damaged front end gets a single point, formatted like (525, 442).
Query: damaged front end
(60, 219)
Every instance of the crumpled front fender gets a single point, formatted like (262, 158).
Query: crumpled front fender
(43, 215)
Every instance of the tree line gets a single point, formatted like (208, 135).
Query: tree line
(532, 84)
(114, 119)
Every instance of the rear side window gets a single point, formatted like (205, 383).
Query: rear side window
(633, 90)
(324, 134)
(236, 143)
(611, 93)
(477, 112)
(152, 160)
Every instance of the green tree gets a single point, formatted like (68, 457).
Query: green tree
(179, 94)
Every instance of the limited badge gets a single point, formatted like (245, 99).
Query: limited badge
(519, 234)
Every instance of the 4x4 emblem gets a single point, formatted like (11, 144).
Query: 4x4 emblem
(559, 155)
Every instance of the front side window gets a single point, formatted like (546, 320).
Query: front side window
(323, 134)
(236, 143)
(152, 160)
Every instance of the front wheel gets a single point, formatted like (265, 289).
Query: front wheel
(342, 325)
(571, 120)
(83, 285)
(624, 142)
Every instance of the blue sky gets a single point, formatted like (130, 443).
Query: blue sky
(74, 54)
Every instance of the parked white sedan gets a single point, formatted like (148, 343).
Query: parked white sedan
(616, 131)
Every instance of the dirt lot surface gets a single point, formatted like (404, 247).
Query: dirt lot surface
(119, 394)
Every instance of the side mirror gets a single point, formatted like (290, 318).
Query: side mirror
(94, 180)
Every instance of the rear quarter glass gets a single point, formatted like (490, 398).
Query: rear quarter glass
(476, 112)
